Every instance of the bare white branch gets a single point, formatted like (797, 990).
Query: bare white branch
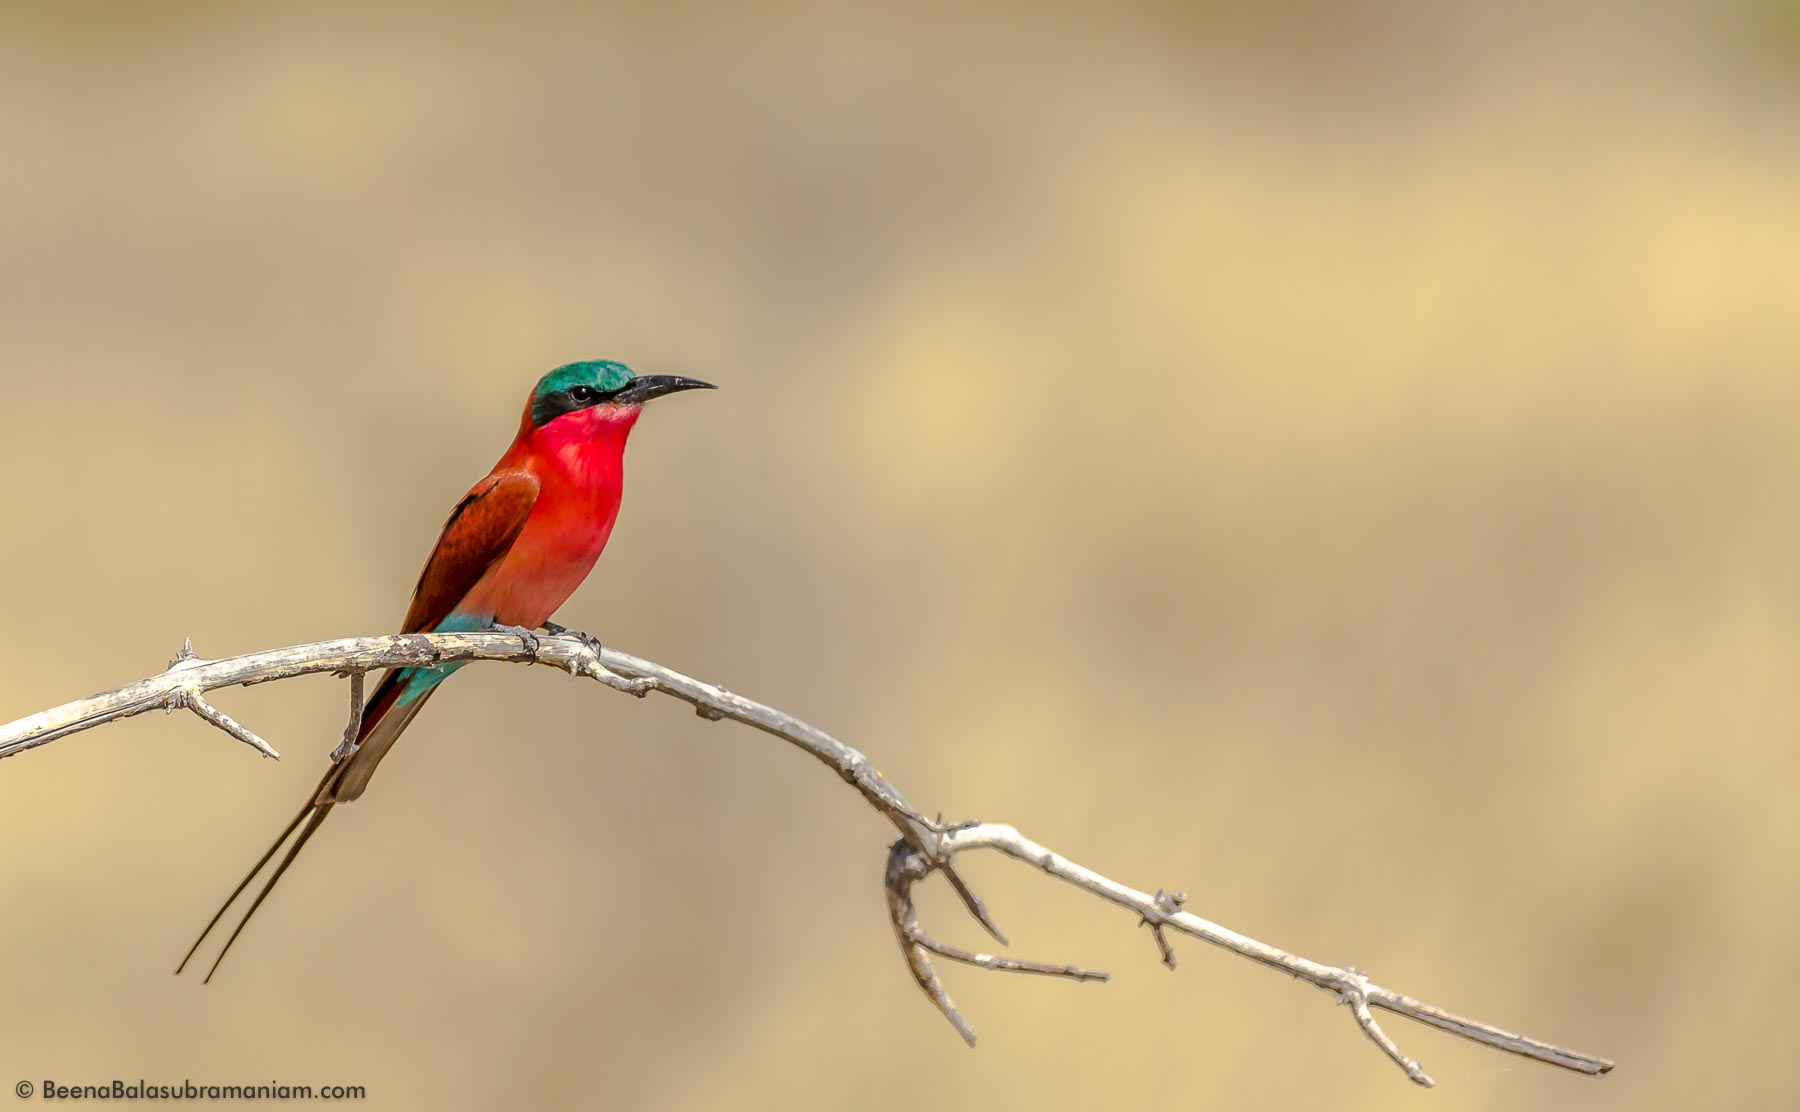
(926, 846)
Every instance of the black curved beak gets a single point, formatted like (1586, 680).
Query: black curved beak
(645, 387)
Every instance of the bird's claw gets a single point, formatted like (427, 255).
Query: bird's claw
(532, 645)
(587, 639)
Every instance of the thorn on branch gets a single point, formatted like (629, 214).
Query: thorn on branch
(973, 904)
(882, 794)
(1167, 904)
(939, 826)
(186, 656)
(1354, 993)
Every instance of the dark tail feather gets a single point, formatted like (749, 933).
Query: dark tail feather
(243, 884)
(318, 816)
(383, 720)
(251, 875)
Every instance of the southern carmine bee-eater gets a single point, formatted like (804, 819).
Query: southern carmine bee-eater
(515, 548)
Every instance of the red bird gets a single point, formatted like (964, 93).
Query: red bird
(515, 548)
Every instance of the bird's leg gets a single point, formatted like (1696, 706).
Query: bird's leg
(587, 639)
(527, 636)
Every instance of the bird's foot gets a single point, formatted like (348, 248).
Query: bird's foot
(595, 667)
(588, 639)
(527, 636)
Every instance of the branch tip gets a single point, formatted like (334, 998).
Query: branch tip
(999, 964)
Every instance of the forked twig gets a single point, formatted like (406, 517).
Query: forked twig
(906, 865)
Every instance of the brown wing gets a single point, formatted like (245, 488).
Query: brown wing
(480, 530)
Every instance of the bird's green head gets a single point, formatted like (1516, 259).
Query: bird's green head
(573, 387)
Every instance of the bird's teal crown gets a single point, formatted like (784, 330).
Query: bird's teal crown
(575, 386)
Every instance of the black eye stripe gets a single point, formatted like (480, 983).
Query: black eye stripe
(550, 405)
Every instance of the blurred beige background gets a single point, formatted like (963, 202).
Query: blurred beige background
(1338, 460)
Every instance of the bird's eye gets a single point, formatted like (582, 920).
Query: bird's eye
(583, 394)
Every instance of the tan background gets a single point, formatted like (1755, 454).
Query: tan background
(1338, 461)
